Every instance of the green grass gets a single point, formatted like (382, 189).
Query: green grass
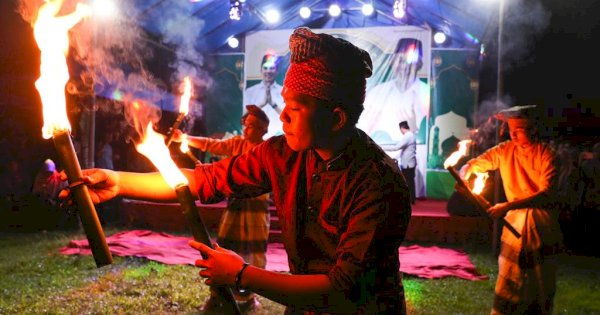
(36, 279)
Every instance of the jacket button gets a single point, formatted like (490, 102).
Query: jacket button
(316, 177)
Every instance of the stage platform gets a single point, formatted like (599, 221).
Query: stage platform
(430, 221)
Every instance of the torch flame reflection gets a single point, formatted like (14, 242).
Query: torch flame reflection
(51, 33)
(153, 147)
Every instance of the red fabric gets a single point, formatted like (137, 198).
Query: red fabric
(425, 262)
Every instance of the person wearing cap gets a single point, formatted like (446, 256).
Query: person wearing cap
(267, 93)
(244, 226)
(402, 98)
(527, 269)
(343, 204)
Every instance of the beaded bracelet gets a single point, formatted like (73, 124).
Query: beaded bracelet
(238, 278)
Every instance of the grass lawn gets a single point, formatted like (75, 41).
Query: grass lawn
(36, 279)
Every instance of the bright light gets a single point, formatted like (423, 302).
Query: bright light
(104, 9)
(233, 42)
(235, 10)
(305, 12)
(399, 8)
(335, 10)
(272, 16)
(439, 38)
(367, 9)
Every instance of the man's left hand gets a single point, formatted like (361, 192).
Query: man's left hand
(498, 210)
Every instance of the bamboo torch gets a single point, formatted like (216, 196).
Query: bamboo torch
(154, 148)
(464, 189)
(51, 35)
(184, 107)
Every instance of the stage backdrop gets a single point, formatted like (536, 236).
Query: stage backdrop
(455, 82)
(385, 107)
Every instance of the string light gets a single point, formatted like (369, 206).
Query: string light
(399, 8)
(305, 12)
(235, 10)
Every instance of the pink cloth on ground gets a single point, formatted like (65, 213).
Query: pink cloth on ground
(426, 262)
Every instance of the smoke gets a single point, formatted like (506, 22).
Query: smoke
(181, 29)
(488, 130)
(111, 56)
(523, 22)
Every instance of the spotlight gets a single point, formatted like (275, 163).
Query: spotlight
(399, 8)
(335, 10)
(367, 9)
(305, 12)
(439, 38)
(235, 10)
(272, 16)
(233, 42)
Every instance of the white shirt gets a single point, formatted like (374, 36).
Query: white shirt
(256, 95)
(408, 150)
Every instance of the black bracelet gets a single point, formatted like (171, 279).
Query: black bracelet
(238, 278)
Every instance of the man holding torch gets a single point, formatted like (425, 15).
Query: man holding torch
(527, 271)
(343, 204)
(244, 226)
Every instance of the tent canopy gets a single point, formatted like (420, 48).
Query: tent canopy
(465, 22)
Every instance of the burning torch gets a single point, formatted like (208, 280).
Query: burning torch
(464, 189)
(51, 35)
(154, 148)
(184, 106)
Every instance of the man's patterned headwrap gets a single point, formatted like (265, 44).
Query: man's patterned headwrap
(328, 68)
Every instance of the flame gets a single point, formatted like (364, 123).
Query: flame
(184, 104)
(456, 155)
(153, 147)
(479, 182)
(51, 33)
(184, 147)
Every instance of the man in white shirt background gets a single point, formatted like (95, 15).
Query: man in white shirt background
(407, 145)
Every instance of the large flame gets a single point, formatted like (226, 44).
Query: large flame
(153, 147)
(51, 33)
(184, 104)
(456, 155)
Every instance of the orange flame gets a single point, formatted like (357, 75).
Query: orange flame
(456, 155)
(51, 33)
(184, 147)
(153, 147)
(184, 104)
(479, 182)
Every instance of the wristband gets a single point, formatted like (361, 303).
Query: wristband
(238, 278)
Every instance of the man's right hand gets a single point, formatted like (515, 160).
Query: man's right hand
(103, 185)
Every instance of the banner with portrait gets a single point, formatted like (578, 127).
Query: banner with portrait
(398, 90)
